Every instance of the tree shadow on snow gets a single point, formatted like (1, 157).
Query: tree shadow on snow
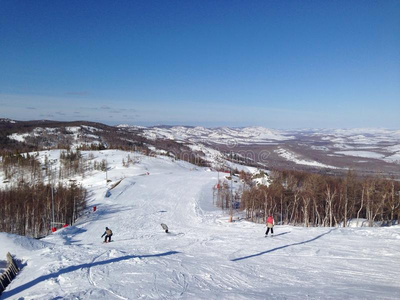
(32, 283)
(69, 232)
(104, 212)
(283, 247)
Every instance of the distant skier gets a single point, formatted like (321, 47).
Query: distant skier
(108, 233)
(270, 225)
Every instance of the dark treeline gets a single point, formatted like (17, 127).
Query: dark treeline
(27, 209)
(307, 199)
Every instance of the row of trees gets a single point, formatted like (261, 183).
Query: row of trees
(27, 209)
(22, 167)
(26, 167)
(319, 200)
(26, 204)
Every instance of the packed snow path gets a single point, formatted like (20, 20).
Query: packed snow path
(204, 256)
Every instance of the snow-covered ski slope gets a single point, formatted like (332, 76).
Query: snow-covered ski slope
(204, 256)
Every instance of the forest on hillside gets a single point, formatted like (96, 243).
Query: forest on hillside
(320, 200)
(308, 199)
(26, 203)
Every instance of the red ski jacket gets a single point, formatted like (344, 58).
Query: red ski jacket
(270, 220)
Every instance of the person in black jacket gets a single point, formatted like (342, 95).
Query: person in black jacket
(108, 233)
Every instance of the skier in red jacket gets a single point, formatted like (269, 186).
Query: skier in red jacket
(270, 225)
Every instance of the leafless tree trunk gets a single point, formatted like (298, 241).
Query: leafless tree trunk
(362, 204)
(306, 202)
(329, 198)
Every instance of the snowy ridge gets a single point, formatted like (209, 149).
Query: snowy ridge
(223, 135)
(359, 136)
(78, 135)
(290, 156)
(371, 143)
(360, 142)
(6, 120)
(335, 149)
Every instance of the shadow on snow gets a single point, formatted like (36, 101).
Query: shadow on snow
(279, 234)
(283, 247)
(30, 284)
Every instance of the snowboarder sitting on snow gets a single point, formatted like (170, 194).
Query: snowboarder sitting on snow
(270, 225)
(165, 227)
(108, 233)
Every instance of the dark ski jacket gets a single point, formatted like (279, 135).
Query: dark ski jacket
(108, 232)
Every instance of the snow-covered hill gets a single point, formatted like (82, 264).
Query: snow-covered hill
(333, 149)
(220, 135)
(367, 151)
(204, 256)
(74, 135)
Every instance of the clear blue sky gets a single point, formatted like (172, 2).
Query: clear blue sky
(279, 64)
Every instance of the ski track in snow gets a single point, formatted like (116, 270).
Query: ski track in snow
(204, 256)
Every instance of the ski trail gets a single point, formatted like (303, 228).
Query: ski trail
(92, 282)
(308, 262)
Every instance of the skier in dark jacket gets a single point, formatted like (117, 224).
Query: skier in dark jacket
(108, 233)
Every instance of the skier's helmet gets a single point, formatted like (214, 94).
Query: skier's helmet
(106, 228)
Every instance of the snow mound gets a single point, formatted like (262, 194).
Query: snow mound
(18, 244)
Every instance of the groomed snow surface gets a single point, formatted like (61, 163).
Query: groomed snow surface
(204, 256)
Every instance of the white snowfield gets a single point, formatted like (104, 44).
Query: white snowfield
(366, 154)
(290, 156)
(204, 256)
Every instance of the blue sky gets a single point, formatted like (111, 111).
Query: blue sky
(279, 64)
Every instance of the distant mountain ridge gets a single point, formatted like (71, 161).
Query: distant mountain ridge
(367, 150)
(218, 135)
